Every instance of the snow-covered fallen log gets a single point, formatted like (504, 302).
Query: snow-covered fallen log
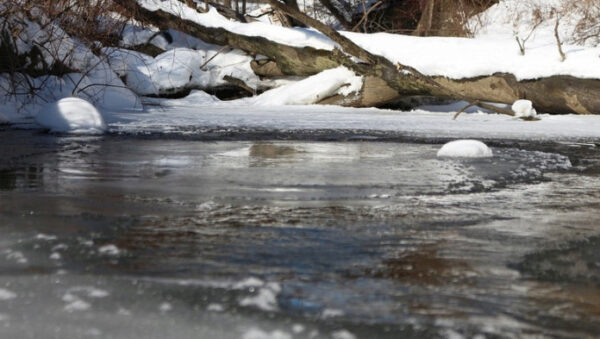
(312, 89)
(561, 90)
(292, 60)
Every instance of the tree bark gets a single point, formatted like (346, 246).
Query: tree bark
(292, 22)
(425, 23)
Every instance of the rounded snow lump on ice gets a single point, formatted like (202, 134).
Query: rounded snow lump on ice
(71, 115)
(524, 109)
(465, 149)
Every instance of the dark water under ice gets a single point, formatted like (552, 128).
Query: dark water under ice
(126, 236)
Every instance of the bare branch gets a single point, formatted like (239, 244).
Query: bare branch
(563, 57)
(484, 105)
(348, 46)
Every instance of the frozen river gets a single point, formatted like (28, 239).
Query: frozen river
(331, 235)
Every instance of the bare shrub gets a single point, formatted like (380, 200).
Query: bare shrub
(587, 28)
(57, 42)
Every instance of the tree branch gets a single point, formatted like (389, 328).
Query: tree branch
(347, 45)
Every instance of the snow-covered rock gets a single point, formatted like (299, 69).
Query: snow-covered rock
(71, 115)
(524, 109)
(465, 149)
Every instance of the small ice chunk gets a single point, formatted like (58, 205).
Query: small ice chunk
(265, 299)
(524, 109)
(123, 311)
(55, 256)
(71, 115)
(74, 303)
(77, 305)
(342, 334)
(165, 307)
(90, 291)
(42, 236)
(97, 293)
(331, 313)
(109, 250)
(88, 243)
(207, 206)
(215, 308)
(298, 328)
(16, 256)
(465, 149)
(256, 333)
(6, 294)
(251, 282)
(59, 247)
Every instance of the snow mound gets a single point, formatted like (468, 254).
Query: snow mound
(312, 89)
(181, 68)
(71, 115)
(524, 109)
(465, 149)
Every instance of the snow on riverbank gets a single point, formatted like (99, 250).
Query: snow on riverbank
(494, 50)
(289, 36)
(181, 68)
(468, 58)
(312, 89)
(428, 124)
(71, 115)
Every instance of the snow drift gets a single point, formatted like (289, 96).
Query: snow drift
(312, 89)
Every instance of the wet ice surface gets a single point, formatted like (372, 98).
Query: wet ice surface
(128, 237)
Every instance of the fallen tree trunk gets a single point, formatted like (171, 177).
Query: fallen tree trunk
(291, 60)
(556, 94)
(559, 94)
